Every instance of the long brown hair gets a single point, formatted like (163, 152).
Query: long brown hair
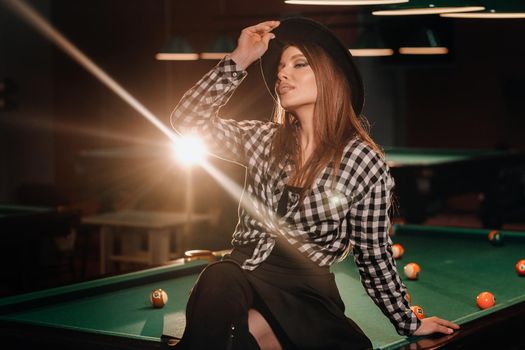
(335, 122)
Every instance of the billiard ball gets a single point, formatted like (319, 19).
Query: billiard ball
(418, 310)
(408, 297)
(412, 271)
(397, 251)
(495, 237)
(485, 300)
(520, 267)
(158, 298)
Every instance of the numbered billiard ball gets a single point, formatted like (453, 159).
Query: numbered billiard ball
(520, 267)
(495, 238)
(397, 251)
(408, 297)
(158, 298)
(412, 271)
(485, 300)
(418, 310)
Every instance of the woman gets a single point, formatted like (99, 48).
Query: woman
(319, 186)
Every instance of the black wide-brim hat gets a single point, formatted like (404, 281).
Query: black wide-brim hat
(300, 30)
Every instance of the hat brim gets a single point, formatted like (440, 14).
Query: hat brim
(304, 30)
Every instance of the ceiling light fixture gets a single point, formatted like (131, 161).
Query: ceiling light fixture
(494, 9)
(177, 49)
(430, 7)
(424, 42)
(344, 2)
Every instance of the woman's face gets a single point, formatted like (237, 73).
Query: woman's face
(295, 85)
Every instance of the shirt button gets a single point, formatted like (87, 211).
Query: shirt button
(234, 74)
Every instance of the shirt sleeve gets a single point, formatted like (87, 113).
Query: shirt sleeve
(197, 113)
(371, 247)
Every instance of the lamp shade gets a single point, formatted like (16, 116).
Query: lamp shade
(429, 7)
(495, 9)
(344, 2)
(219, 48)
(424, 41)
(177, 49)
(369, 43)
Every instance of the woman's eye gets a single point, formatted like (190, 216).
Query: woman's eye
(300, 64)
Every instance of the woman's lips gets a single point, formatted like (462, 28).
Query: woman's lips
(284, 88)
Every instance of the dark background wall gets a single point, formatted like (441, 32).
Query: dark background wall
(471, 98)
(27, 153)
(477, 100)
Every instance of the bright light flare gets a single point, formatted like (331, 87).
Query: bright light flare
(190, 150)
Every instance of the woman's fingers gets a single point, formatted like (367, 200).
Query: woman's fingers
(449, 324)
(436, 325)
(267, 24)
(267, 37)
(264, 26)
(445, 323)
(253, 43)
(443, 329)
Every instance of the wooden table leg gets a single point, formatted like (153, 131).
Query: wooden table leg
(106, 249)
(159, 246)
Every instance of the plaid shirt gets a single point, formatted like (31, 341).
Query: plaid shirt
(353, 210)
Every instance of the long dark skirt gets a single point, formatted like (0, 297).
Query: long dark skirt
(299, 300)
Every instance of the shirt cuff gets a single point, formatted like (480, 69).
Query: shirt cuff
(228, 66)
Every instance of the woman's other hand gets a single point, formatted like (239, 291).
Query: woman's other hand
(434, 324)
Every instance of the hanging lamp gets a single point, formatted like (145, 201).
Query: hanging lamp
(344, 2)
(429, 7)
(369, 43)
(177, 49)
(495, 9)
(219, 48)
(425, 41)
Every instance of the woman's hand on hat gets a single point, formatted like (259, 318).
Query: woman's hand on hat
(253, 43)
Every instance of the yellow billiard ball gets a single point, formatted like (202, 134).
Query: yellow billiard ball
(412, 270)
(397, 251)
(158, 298)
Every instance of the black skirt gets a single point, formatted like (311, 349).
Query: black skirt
(301, 302)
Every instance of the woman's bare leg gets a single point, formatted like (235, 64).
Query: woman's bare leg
(262, 332)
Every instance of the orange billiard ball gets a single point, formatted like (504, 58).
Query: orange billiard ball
(412, 270)
(408, 297)
(418, 310)
(158, 298)
(520, 267)
(485, 300)
(397, 251)
(495, 238)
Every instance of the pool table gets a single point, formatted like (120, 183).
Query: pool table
(426, 177)
(457, 264)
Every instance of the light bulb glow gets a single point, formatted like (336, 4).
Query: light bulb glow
(190, 150)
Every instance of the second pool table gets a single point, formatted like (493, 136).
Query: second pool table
(426, 178)
(457, 264)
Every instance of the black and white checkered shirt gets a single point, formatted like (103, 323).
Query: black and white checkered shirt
(352, 211)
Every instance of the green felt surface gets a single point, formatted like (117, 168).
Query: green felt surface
(95, 307)
(415, 156)
(8, 210)
(456, 264)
